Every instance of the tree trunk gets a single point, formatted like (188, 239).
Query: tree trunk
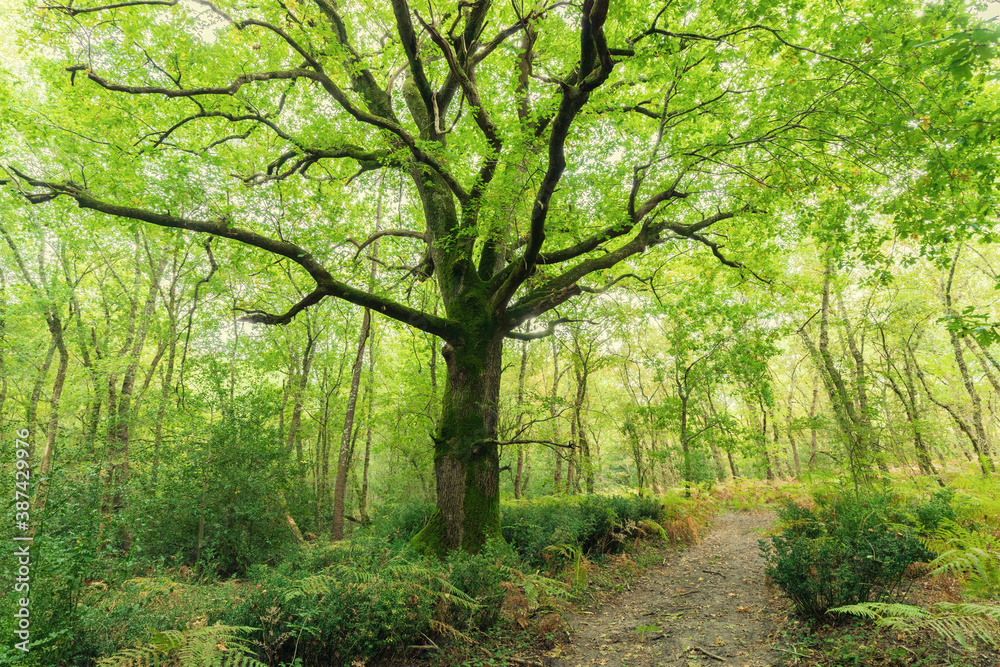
(685, 445)
(788, 425)
(346, 444)
(909, 398)
(519, 470)
(769, 470)
(582, 445)
(813, 435)
(120, 431)
(31, 412)
(466, 454)
(42, 486)
(985, 463)
(557, 454)
(3, 336)
(983, 448)
(294, 442)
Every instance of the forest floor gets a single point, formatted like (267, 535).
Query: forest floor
(705, 605)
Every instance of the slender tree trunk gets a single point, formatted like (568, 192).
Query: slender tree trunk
(369, 428)
(294, 442)
(813, 435)
(346, 449)
(685, 445)
(3, 342)
(983, 449)
(120, 434)
(985, 463)
(203, 501)
(51, 431)
(769, 470)
(788, 426)
(31, 413)
(850, 408)
(166, 385)
(557, 473)
(571, 459)
(519, 470)
(582, 373)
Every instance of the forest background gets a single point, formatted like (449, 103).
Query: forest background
(259, 265)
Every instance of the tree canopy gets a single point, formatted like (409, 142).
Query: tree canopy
(536, 152)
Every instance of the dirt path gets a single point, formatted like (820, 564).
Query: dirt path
(707, 605)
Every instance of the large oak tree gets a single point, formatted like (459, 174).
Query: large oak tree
(544, 147)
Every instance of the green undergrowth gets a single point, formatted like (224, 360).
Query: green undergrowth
(372, 598)
(859, 644)
(755, 494)
(949, 617)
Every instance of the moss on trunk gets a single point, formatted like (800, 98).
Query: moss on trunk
(466, 454)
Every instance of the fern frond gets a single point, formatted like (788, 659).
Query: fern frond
(958, 622)
(878, 611)
(445, 629)
(317, 584)
(209, 646)
(966, 552)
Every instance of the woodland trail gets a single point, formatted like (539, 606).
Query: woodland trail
(707, 605)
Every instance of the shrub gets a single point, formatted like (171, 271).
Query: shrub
(545, 531)
(939, 508)
(844, 552)
(401, 522)
(369, 598)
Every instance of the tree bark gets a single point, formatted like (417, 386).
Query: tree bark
(579, 428)
(985, 463)
(119, 431)
(466, 454)
(557, 454)
(369, 429)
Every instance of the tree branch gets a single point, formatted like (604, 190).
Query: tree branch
(325, 283)
(548, 331)
(405, 233)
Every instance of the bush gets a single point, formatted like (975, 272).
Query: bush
(545, 531)
(931, 513)
(401, 522)
(844, 552)
(370, 599)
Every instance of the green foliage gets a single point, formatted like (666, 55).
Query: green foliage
(232, 481)
(940, 507)
(400, 522)
(209, 646)
(548, 532)
(369, 599)
(844, 552)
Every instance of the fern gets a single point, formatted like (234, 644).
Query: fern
(957, 622)
(210, 646)
(318, 584)
(961, 551)
(538, 589)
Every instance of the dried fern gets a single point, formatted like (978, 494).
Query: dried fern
(210, 646)
(959, 622)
